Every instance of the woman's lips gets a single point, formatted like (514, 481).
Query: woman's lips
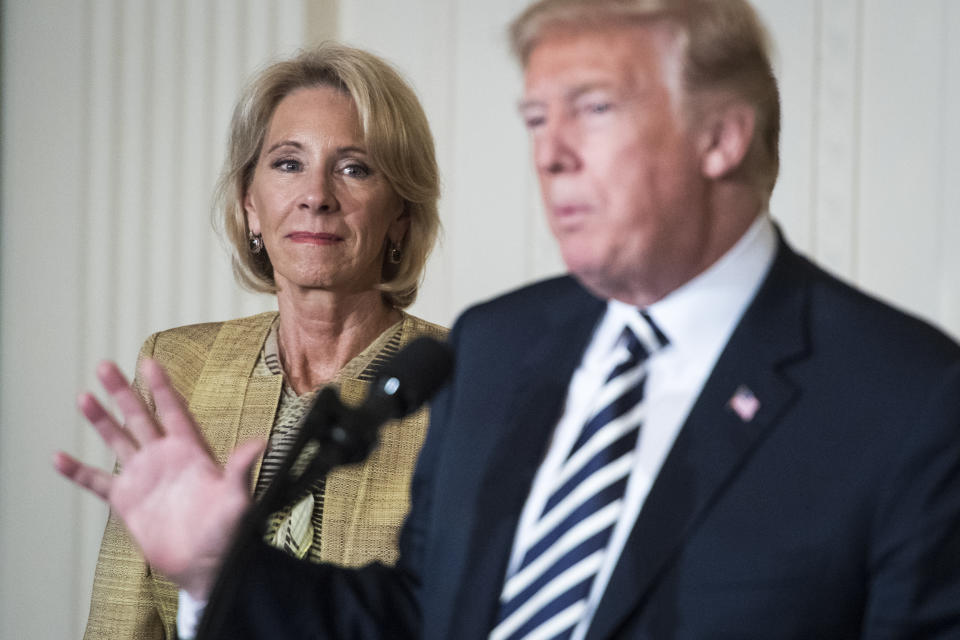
(306, 237)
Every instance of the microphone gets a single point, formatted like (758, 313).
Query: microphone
(409, 379)
(334, 434)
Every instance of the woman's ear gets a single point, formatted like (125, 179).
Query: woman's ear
(400, 225)
(253, 220)
(727, 135)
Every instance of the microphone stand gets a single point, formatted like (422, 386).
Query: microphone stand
(331, 435)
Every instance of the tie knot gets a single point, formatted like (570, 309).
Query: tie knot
(644, 342)
(658, 337)
(640, 345)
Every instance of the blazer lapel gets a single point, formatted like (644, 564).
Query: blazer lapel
(534, 409)
(714, 442)
(260, 402)
(225, 391)
(347, 485)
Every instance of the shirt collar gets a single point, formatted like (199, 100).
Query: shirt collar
(701, 314)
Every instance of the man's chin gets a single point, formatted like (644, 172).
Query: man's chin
(592, 277)
(601, 282)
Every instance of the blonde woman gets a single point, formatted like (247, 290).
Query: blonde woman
(329, 201)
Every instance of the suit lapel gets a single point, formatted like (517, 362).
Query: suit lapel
(533, 411)
(715, 441)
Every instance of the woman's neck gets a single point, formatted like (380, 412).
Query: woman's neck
(321, 332)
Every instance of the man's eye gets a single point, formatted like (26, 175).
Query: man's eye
(534, 122)
(597, 107)
(288, 165)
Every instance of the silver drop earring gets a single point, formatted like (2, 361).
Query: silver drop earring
(256, 243)
(395, 255)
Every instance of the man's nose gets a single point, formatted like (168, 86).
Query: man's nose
(555, 146)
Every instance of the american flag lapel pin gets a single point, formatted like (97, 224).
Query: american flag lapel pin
(744, 403)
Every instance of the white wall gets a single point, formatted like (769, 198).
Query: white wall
(114, 121)
(113, 117)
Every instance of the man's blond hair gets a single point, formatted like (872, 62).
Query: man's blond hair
(725, 51)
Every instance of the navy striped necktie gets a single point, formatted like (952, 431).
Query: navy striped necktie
(548, 594)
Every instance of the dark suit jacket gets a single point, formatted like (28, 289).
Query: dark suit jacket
(833, 513)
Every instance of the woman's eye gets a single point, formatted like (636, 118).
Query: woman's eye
(287, 164)
(356, 170)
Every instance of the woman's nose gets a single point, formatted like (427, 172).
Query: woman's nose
(318, 194)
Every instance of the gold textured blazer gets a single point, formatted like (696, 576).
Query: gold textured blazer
(212, 365)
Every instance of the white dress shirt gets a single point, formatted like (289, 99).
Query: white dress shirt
(698, 319)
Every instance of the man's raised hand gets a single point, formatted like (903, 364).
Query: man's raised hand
(178, 504)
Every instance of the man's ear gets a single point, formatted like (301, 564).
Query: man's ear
(726, 138)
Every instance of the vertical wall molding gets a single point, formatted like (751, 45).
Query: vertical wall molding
(836, 139)
(901, 134)
(98, 299)
(40, 285)
(948, 273)
(322, 20)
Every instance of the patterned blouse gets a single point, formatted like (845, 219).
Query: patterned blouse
(296, 528)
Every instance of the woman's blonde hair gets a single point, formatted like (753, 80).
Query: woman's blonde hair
(397, 139)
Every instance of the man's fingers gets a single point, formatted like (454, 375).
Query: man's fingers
(171, 409)
(240, 463)
(90, 478)
(115, 436)
(137, 418)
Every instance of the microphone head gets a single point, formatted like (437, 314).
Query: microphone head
(412, 376)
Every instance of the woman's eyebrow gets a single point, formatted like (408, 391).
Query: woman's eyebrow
(285, 143)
